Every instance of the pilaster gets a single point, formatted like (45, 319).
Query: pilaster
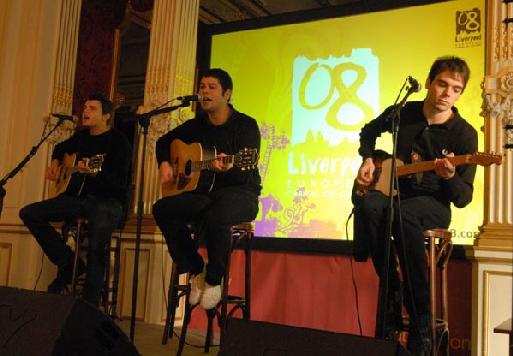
(492, 253)
(170, 73)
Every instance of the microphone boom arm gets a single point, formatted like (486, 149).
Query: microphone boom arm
(24, 161)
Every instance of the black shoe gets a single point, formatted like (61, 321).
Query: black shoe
(58, 286)
(419, 338)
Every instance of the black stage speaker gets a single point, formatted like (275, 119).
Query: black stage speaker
(37, 323)
(256, 338)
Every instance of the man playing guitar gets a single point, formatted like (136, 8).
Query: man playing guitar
(429, 130)
(231, 199)
(97, 197)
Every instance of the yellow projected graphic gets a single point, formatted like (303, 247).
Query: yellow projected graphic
(312, 87)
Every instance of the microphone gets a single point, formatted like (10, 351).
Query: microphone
(194, 97)
(64, 117)
(414, 84)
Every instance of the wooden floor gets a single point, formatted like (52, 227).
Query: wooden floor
(148, 340)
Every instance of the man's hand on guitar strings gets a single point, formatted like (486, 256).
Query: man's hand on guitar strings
(366, 172)
(166, 172)
(52, 172)
(444, 168)
(218, 165)
(83, 167)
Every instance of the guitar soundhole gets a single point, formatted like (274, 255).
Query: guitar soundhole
(377, 174)
(188, 168)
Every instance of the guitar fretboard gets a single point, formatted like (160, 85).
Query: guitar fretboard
(425, 166)
(201, 165)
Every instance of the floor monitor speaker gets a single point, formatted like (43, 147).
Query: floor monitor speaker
(37, 323)
(256, 338)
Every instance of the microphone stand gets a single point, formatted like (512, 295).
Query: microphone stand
(23, 162)
(144, 122)
(395, 118)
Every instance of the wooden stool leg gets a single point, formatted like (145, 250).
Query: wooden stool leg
(172, 302)
(104, 295)
(211, 314)
(439, 255)
(241, 232)
(115, 278)
(432, 292)
(247, 276)
(224, 295)
(186, 320)
(76, 258)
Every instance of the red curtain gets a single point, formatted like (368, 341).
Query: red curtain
(316, 291)
(98, 22)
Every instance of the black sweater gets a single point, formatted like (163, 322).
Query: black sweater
(456, 135)
(112, 181)
(240, 131)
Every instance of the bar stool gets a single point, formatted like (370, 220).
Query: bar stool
(241, 232)
(77, 230)
(438, 252)
(109, 294)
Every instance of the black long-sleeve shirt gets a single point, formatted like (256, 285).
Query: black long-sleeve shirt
(112, 180)
(240, 131)
(455, 135)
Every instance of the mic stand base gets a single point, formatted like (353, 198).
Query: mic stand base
(144, 122)
(381, 323)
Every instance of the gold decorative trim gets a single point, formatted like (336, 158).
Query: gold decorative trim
(115, 67)
(7, 246)
(123, 273)
(494, 236)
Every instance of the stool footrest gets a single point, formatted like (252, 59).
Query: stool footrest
(229, 304)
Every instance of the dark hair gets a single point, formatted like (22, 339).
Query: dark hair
(106, 103)
(223, 77)
(450, 63)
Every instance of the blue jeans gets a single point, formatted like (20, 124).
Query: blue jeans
(103, 216)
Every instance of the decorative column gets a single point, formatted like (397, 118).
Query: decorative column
(64, 73)
(492, 253)
(498, 112)
(37, 64)
(170, 73)
(66, 60)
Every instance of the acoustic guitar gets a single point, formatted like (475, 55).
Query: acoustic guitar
(69, 167)
(191, 162)
(381, 178)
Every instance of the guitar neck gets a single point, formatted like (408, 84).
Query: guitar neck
(201, 165)
(425, 166)
(73, 170)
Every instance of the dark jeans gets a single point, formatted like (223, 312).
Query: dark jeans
(418, 214)
(103, 216)
(215, 212)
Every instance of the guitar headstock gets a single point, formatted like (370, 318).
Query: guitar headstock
(95, 163)
(485, 159)
(247, 158)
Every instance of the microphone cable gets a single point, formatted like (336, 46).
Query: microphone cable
(353, 279)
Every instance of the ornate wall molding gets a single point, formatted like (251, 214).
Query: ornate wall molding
(491, 253)
(498, 112)
(64, 73)
(171, 72)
